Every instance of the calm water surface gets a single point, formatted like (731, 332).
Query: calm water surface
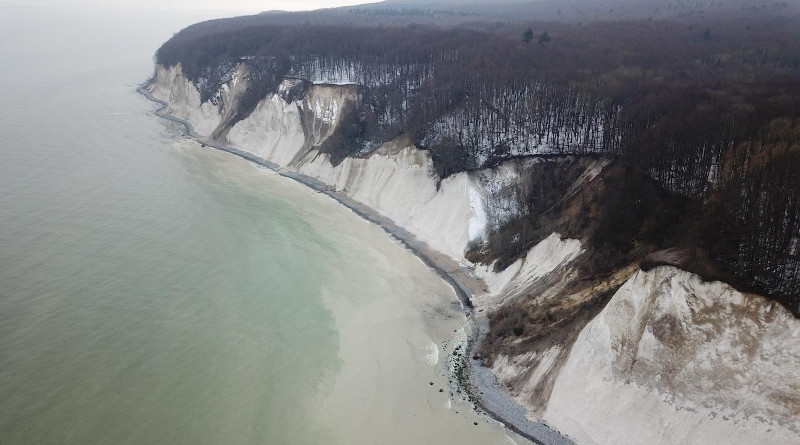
(153, 292)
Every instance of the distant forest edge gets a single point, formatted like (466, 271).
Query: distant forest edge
(706, 108)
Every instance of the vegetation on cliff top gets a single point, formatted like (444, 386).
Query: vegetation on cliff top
(704, 108)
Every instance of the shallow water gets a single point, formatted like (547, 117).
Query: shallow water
(152, 291)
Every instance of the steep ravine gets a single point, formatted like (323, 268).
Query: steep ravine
(665, 359)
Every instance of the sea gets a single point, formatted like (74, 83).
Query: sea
(155, 291)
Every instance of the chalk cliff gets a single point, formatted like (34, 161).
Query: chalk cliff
(666, 358)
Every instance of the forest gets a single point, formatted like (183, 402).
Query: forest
(707, 108)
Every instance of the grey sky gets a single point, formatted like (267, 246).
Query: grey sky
(239, 6)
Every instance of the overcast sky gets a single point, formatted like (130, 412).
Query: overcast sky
(241, 6)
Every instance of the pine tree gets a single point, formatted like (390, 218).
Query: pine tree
(527, 36)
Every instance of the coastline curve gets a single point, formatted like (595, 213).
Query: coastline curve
(478, 382)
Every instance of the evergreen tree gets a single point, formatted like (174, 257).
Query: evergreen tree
(544, 38)
(527, 36)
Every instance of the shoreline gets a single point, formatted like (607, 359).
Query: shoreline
(479, 384)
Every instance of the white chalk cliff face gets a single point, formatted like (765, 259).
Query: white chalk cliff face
(542, 261)
(673, 359)
(669, 360)
(184, 99)
(397, 180)
(273, 131)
